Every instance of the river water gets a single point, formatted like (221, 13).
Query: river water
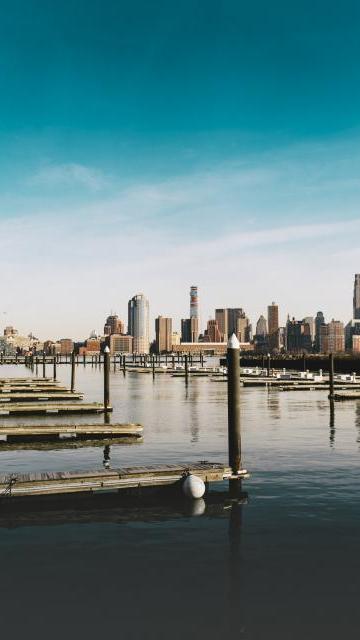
(283, 565)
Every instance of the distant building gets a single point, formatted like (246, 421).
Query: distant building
(163, 334)
(66, 346)
(311, 322)
(352, 329)
(356, 297)
(113, 324)
(10, 331)
(176, 338)
(194, 303)
(213, 331)
(319, 322)
(243, 329)
(138, 323)
(189, 330)
(221, 317)
(356, 344)
(332, 338)
(261, 327)
(227, 320)
(273, 326)
(298, 337)
(120, 344)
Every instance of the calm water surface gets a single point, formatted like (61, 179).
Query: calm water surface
(284, 565)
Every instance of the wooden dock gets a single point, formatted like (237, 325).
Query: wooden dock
(58, 484)
(40, 397)
(23, 408)
(25, 433)
(346, 395)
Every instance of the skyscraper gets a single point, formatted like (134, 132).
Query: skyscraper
(163, 333)
(319, 322)
(194, 303)
(221, 318)
(261, 327)
(273, 325)
(138, 323)
(356, 298)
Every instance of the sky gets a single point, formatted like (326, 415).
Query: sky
(151, 146)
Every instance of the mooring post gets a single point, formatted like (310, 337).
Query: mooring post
(54, 361)
(124, 364)
(73, 371)
(84, 359)
(44, 365)
(106, 378)
(153, 366)
(186, 369)
(331, 376)
(268, 364)
(233, 376)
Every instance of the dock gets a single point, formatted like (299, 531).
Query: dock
(346, 395)
(102, 481)
(24, 408)
(26, 433)
(39, 397)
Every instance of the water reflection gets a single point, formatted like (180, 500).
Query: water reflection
(332, 423)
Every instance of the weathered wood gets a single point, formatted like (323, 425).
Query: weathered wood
(104, 480)
(29, 432)
(346, 395)
(39, 397)
(52, 408)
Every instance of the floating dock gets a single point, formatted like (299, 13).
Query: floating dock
(22, 408)
(26, 433)
(39, 397)
(346, 395)
(82, 483)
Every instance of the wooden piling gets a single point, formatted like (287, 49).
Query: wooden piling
(331, 376)
(233, 376)
(106, 378)
(72, 387)
(54, 376)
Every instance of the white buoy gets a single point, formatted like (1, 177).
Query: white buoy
(193, 487)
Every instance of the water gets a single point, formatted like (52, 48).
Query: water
(285, 565)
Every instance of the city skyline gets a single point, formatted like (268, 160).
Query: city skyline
(132, 161)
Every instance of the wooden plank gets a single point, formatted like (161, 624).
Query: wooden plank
(51, 408)
(103, 480)
(40, 397)
(66, 431)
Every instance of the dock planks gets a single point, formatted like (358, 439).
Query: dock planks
(24, 433)
(51, 408)
(105, 480)
(39, 397)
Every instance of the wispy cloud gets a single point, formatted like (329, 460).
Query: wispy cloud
(70, 175)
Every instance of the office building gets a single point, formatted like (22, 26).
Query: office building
(163, 334)
(120, 344)
(298, 337)
(113, 324)
(213, 332)
(332, 337)
(261, 327)
(319, 322)
(356, 297)
(66, 346)
(138, 323)
(221, 317)
(189, 330)
(273, 326)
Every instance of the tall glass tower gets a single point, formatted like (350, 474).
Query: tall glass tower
(138, 323)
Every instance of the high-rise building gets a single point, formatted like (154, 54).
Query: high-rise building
(138, 323)
(221, 317)
(319, 322)
(311, 322)
(261, 327)
(120, 344)
(273, 326)
(113, 324)
(163, 334)
(356, 297)
(243, 329)
(194, 302)
(189, 330)
(213, 331)
(332, 337)
(298, 337)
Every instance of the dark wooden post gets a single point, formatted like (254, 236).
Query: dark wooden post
(124, 364)
(153, 366)
(84, 359)
(331, 376)
(304, 361)
(186, 369)
(106, 378)
(268, 364)
(233, 375)
(54, 361)
(44, 365)
(72, 371)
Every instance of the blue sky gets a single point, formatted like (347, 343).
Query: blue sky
(151, 146)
